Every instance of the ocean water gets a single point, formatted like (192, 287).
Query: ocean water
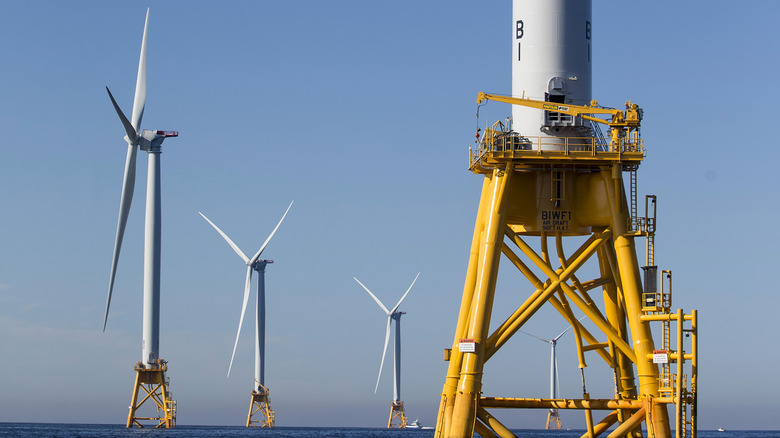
(105, 430)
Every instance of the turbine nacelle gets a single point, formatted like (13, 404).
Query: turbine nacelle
(151, 140)
(260, 264)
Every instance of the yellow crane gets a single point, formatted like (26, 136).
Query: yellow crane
(624, 125)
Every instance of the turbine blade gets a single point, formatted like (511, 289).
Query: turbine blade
(384, 352)
(128, 186)
(139, 103)
(568, 328)
(230, 242)
(562, 333)
(243, 311)
(537, 337)
(132, 135)
(374, 297)
(407, 292)
(260, 251)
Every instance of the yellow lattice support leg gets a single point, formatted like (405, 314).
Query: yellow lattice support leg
(476, 330)
(643, 345)
(453, 370)
(397, 418)
(260, 412)
(153, 383)
(553, 420)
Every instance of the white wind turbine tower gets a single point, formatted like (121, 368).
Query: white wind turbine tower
(260, 402)
(552, 415)
(397, 406)
(150, 371)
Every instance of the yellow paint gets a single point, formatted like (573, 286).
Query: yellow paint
(260, 412)
(397, 419)
(531, 192)
(153, 383)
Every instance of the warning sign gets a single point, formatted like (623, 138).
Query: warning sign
(467, 346)
(660, 356)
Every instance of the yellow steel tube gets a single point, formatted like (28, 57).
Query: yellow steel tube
(600, 322)
(560, 281)
(594, 344)
(632, 422)
(624, 379)
(510, 326)
(517, 319)
(592, 284)
(588, 416)
(678, 426)
(605, 424)
(453, 368)
(579, 257)
(565, 403)
(659, 317)
(545, 251)
(632, 294)
(252, 410)
(520, 265)
(587, 299)
(571, 318)
(490, 348)
(640, 331)
(666, 400)
(493, 423)
(600, 346)
(585, 251)
(694, 369)
(609, 293)
(484, 431)
(618, 201)
(470, 382)
(665, 317)
(568, 315)
(133, 400)
(615, 307)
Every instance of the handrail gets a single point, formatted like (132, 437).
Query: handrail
(497, 139)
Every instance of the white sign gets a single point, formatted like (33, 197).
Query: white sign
(660, 356)
(467, 346)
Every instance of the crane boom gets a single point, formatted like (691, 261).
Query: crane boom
(631, 118)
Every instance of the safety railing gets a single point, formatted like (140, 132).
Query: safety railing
(499, 140)
(667, 383)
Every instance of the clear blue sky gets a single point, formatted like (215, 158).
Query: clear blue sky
(362, 113)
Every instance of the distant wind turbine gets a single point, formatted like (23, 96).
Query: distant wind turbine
(397, 407)
(552, 415)
(259, 391)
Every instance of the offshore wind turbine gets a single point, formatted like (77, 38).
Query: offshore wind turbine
(552, 415)
(397, 406)
(260, 402)
(150, 371)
